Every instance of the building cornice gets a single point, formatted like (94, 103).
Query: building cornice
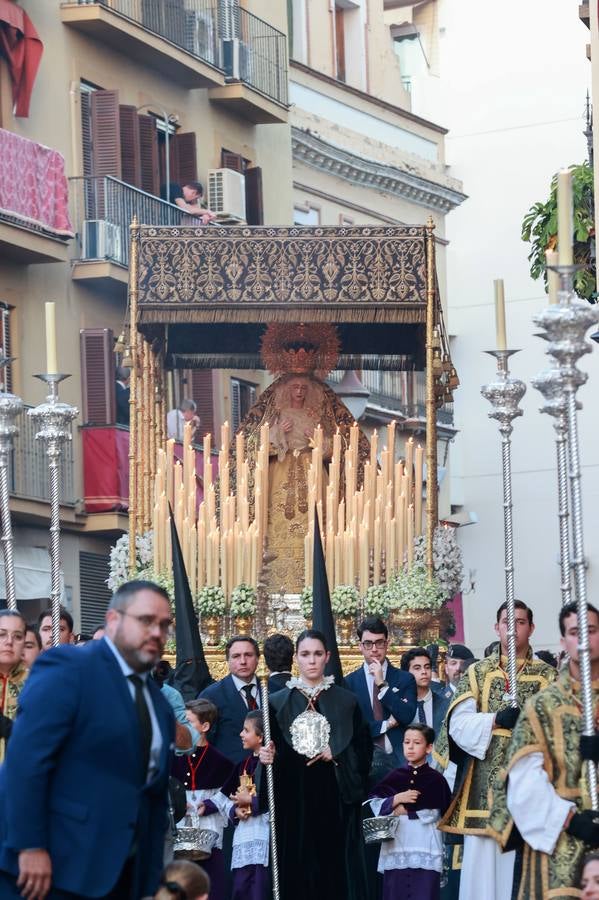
(362, 95)
(313, 151)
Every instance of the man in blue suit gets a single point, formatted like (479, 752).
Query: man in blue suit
(234, 695)
(387, 698)
(433, 698)
(83, 792)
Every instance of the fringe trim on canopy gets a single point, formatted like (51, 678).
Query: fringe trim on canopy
(405, 314)
(349, 361)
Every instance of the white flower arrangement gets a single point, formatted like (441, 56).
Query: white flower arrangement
(415, 590)
(119, 558)
(378, 601)
(448, 566)
(162, 579)
(306, 597)
(345, 600)
(211, 601)
(243, 600)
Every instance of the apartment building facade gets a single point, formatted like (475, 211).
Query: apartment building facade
(131, 97)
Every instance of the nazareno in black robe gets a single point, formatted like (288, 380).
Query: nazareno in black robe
(318, 807)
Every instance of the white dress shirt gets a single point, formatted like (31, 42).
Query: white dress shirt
(428, 709)
(156, 745)
(382, 692)
(240, 685)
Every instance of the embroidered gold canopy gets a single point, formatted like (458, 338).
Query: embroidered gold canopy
(372, 281)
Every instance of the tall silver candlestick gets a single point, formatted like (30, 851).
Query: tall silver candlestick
(11, 407)
(566, 325)
(53, 420)
(270, 790)
(505, 393)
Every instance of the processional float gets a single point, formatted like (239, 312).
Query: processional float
(565, 324)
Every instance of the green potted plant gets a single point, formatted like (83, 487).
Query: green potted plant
(539, 228)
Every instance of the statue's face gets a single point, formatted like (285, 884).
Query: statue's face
(298, 389)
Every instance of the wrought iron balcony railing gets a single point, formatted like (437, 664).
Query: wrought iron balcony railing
(404, 392)
(102, 211)
(29, 466)
(219, 32)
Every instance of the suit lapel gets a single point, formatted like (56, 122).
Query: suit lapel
(114, 674)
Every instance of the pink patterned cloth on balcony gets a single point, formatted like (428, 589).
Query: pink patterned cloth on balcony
(33, 184)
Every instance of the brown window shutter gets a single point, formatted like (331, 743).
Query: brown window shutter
(203, 395)
(185, 154)
(130, 145)
(106, 133)
(86, 133)
(150, 177)
(254, 209)
(6, 345)
(232, 161)
(98, 376)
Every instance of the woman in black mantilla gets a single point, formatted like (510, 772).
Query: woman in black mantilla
(323, 753)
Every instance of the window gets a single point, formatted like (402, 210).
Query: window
(306, 215)
(98, 376)
(6, 345)
(254, 208)
(340, 43)
(94, 569)
(243, 397)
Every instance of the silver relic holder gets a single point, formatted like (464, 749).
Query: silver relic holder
(11, 408)
(53, 420)
(566, 325)
(270, 789)
(504, 394)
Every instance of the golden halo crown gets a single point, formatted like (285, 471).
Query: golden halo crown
(290, 348)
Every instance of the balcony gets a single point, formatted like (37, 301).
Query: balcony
(103, 209)
(34, 219)
(403, 393)
(181, 41)
(28, 478)
(255, 63)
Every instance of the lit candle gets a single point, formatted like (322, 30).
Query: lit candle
(500, 314)
(564, 217)
(51, 363)
(552, 277)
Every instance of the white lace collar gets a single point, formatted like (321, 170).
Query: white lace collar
(311, 690)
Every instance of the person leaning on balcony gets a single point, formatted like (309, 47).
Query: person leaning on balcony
(189, 198)
(123, 374)
(176, 419)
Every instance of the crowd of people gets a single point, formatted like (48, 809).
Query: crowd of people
(105, 767)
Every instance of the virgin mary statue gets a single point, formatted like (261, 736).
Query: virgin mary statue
(293, 406)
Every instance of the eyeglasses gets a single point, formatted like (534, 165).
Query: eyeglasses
(149, 622)
(379, 644)
(11, 635)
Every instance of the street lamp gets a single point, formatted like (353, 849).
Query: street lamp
(353, 393)
(168, 118)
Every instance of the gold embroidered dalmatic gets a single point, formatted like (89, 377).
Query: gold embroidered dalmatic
(551, 724)
(485, 682)
(11, 686)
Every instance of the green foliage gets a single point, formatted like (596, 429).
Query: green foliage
(539, 228)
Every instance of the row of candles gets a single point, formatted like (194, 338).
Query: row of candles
(368, 531)
(563, 256)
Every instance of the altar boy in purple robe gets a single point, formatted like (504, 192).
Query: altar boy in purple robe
(240, 800)
(412, 862)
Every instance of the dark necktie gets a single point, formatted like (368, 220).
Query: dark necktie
(145, 723)
(378, 713)
(249, 697)
(421, 716)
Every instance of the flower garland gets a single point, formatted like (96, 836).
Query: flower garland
(415, 590)
(243, 600)
(345, 600)
(378, 601)
(119, 558)
(448, 566)
(306, 598)
(211, 601)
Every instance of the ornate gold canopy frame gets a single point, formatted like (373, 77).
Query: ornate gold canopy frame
(195, 288)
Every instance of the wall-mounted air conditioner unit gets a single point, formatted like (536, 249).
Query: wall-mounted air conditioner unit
(200, 35)
(226, 193)
(237, 60)
(101, 240)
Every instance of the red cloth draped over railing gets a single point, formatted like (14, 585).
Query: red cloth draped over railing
(33, 184)
(106, 468)
(21, 46)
